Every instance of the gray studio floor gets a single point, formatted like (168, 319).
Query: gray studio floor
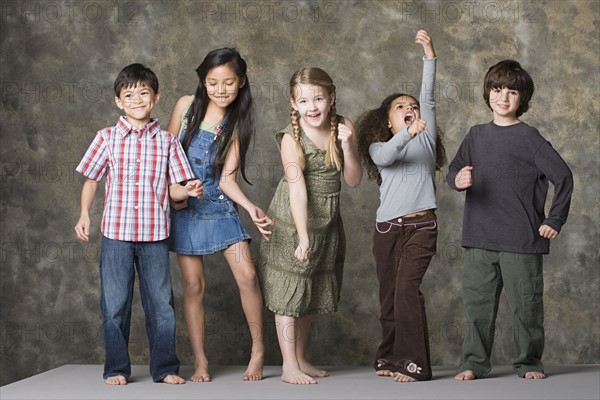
(84, 382)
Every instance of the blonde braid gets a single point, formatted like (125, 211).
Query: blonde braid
(300, 153)
(332, 156)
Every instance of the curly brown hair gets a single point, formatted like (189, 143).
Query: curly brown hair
(372, 127)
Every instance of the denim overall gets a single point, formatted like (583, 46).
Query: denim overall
(210, 223)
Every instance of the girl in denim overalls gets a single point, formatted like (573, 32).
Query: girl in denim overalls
(215, 127)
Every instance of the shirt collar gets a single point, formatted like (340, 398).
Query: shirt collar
(124, 127)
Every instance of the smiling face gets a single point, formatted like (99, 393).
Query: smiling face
(222, 85)
(504, 104)
(137, 102)
(404, 110)
(313, 104)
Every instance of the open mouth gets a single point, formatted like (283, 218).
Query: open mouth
(408, 119)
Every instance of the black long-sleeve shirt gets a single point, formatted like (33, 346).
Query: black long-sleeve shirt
(504, 208)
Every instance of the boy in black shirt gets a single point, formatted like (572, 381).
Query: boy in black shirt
(505, 166)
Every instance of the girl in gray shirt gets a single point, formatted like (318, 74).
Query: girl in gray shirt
(399, 147)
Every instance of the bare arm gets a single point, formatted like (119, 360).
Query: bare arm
(177, 195)
(352, 168)
(175, 121)
(230, 186)
(82, 228)
(298, 195)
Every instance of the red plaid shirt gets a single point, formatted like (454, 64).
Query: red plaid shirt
(141, 164)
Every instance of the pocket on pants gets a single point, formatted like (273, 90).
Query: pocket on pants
(532, 291)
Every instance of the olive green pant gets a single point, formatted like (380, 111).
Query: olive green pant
(521, 275)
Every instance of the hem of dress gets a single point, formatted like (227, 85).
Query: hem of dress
(295, 314)
(211, 250)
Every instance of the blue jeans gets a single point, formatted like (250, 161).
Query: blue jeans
(117, 275)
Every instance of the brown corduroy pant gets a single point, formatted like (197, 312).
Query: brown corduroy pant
(403, 248)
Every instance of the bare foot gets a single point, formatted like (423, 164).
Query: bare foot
(535, 375)
(384, 372)
(398, 377)
(116, 380)
(465, 376)
(200, 375)
(173, 380)
(297, 377)
(311, 370)
(254, 372)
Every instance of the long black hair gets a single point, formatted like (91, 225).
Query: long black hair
(240, 112)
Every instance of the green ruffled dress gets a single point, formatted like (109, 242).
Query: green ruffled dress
(295, 288)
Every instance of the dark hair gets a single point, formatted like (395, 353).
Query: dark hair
(509, 74)
(372, 127)
(241, 111)
(135, 74)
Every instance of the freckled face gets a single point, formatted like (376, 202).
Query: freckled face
(403, 111)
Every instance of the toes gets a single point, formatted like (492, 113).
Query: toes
(173, 380)
(116, 380)
(535, 375)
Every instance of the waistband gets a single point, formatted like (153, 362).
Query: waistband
(416, 220)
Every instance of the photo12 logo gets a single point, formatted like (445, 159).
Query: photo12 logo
(269, 11)
(51, 92)
(70, 11)
(452, 12)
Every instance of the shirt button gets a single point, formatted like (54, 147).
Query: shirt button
(136, 207)
(138, 160)
(400, 220)
(137, 184)
(221, 197)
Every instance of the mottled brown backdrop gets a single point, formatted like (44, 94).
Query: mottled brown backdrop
(60, 58)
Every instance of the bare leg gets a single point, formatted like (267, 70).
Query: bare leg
(287, 335)
(301, 346)
(465, 376)
(116, 380)
(173, 380)
(194, 283)
(535, 375)
(240, 261)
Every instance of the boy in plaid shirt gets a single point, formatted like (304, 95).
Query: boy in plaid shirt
(143, 165)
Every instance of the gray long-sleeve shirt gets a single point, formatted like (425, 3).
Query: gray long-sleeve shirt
(407, 164)
(504, 208)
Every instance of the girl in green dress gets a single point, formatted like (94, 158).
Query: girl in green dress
(301, 265)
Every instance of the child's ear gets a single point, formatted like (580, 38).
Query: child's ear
(157, 97)
(119, 103)
(389, 124)
(242, 82)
